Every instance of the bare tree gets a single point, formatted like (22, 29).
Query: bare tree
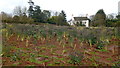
(92, 17)
(19, 11)
(110, 16)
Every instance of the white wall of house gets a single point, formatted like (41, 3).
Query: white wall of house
(84, 22)
(87, 23)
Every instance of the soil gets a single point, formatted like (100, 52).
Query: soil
(50, 52)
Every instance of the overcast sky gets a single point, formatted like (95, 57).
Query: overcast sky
(75, 7)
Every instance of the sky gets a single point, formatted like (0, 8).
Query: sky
(71, 7)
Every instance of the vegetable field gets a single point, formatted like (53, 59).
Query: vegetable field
(50, 45)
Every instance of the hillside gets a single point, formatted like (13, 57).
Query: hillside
(51, 45)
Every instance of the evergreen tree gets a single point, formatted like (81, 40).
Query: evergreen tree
(118, 17)
(30, 11)
(62, 19)
(37, 14)
(46, 15)
(58, 19)
(100, 18)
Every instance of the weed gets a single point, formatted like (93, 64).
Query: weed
(103, 50)
(100, 45)
(43, 56)
(15, 56)
(35, 61)
(32, 55)
(15, 64)
(94, 53)
(92, 40)
(63, 51)
(76, 57)
(117, 64)
(57, 62)
(50, 64)
(95, 64)
(92, 59)
(46, 60)
(109, 59)
(94, 36)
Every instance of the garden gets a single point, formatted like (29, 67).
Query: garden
(51, 45)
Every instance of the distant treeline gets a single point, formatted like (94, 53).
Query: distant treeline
(101, 19)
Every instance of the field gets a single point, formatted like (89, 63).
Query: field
(50, 45)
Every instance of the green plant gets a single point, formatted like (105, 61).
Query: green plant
(32, 55)
(92, 59)
(94, 53)
(103, 50)
(109, 59)
(6, 51)
(57, 62)
(92, 40)
(117, 64)
(15, 64)
(95, 64)
(63, 52)
(16, 56)
(35, 61)
(50, 64)
(100, 45)
(76, 57)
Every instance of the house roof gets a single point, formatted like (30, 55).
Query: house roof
(80, 18)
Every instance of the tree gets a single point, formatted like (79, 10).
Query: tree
(62, 19)
(30, 11)
(46, 15)
(118, 17)
(100, 18)
(17, 11)
(20, 11)
(37, 14)
(92, 17)
(59, 19)
(20, 15)
(63, 15)
(110, 17)
(16, 19)
(53, 20)
(6, 18)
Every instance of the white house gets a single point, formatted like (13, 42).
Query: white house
(80, 20)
